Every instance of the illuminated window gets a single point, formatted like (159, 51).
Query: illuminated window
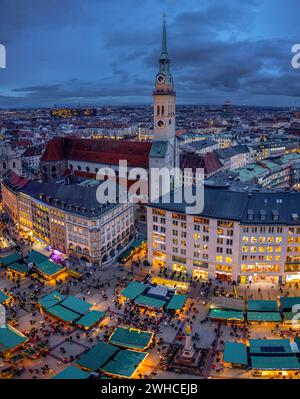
(219, 258)
(196, 236)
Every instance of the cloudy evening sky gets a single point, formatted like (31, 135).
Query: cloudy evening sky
(105, 51)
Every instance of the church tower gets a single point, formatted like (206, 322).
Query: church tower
(164, 106)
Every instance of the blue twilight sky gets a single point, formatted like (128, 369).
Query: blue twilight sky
(105, 51)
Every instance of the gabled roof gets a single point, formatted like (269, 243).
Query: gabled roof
(97, 356)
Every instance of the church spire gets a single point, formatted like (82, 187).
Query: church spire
(164, 36)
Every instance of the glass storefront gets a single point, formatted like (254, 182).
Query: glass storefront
(176, 267)
(200, 274)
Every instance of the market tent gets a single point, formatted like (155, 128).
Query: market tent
(10, 338)
(3, 297)
(76, 304)
(48, 268)
(262, 306)
(291, 318)
(150, 302)
(72, 373)
(133, 290)
(125, 363)
(220, 314)
(275, 363)
(63, 313)
(270, 347)
(264, 316)
(35, 257)
(7, 260)
(90, 319)
(235, 353)
(131, 338)
(18, 267)
(177, 302)
(288, 303)
(97, 356)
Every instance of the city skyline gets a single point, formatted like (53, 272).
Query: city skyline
(69, 54)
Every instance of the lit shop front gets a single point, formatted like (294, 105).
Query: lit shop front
(159, 259)
(293, 270)
(224, 272)
(198, 272)
(259, 273)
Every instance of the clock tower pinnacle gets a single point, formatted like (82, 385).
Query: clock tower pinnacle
(164, 98)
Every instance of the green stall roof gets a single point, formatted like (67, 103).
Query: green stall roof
(76, 305)
(220, 314)
(131, 338)
(270, 346)
(72, 373)
(262, 306)
(297, 342)
(7, 260)
(91, 318)
(63, 313)
(10, 338)
(177, 302)
(52, 299)
(3, 297)
(97, 356)
(150, 302)
(264, 316)
(133, 290)
(235, 353)
(48, 268)
(35, 257)
(288, 303)
(275, 363)
(18, 267)
(125, 363)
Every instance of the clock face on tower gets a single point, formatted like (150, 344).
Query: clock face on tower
(160, 123)
(160, 78)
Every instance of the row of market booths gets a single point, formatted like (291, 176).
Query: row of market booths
(152, 296)
(121, 357)
(35, 264)
(256, 311)
(265, 357)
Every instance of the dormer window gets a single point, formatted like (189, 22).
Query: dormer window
(250, 214)
(262, 214)
(275, 215)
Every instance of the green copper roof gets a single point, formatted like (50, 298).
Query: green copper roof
(63, 313)
(131, 338)
(177, 302)
(91, 318)
(275, 363)
(35, 257)
(18, 267)
(262, 306)
(97, 356)
(125, 363)
(48, 268)
(10, 338)
(159, 149)
(133, 290)
(150, 302)
(72, 373)
(235, 353)
(76, 305)
(7, 260)
(3, 297)
(52, 299)
(288, 303)
(270, 346)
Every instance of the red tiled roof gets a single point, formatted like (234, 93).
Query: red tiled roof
(106, 151)
(16, 180)
(209, 162)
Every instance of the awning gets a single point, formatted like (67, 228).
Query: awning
(90, 319)
(150, 302)
(18, 267)
(10, 338)
(7, 260)
(230, 315)
(125, 363)
(52, 299)
(48, 268)
(35, 257)
(264, 316)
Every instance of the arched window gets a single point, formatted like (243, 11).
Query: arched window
(4, 165)
(158, 110)
(79, 167)
(162, 110)
(53, 169)
(87, 169)
(71, 166)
